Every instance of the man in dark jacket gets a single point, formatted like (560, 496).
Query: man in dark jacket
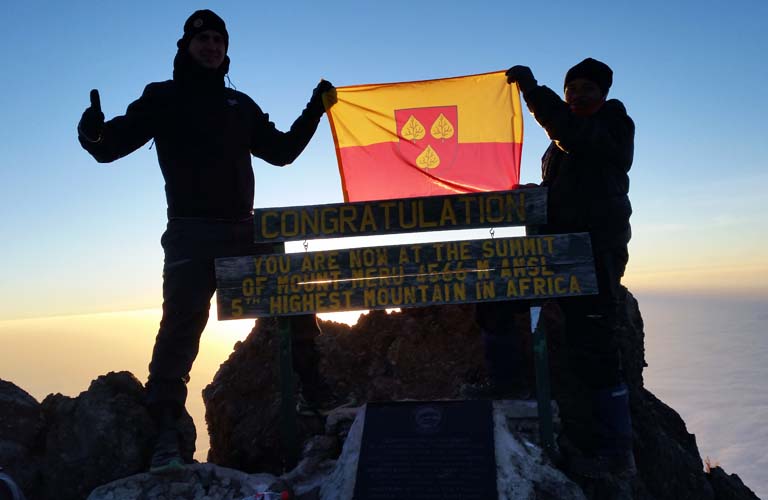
(205, 134)
(585, 170)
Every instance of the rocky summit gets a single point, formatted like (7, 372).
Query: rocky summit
(97, 445)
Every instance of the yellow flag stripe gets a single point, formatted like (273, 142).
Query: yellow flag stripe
(489, 109)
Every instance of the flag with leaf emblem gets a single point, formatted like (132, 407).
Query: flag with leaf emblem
(425, 138)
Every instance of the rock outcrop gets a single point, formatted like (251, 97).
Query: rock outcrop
(99, 443)
(65, 447)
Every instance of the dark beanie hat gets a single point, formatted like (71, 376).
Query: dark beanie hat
(202, 20)
(593, 70)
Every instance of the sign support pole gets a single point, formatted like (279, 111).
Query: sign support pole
(288, 424)
(543, 393)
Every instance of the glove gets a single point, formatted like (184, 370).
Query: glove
(523, 76)
(91, 123)
(323, 96)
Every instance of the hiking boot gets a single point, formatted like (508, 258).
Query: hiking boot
(602, 466)
(309, 408)
(166, 457)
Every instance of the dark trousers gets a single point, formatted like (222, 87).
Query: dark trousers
(590, 320)
(189, 281)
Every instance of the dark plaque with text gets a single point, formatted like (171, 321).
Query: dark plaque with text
(440, 450)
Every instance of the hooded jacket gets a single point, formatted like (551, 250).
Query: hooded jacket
(205, 135)
(586, 168)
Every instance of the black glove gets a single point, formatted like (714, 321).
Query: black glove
(91, 123)
(316, 102)
(523, 76)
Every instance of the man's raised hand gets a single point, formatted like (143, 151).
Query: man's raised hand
(91, 123)
(523, 76)
(324, 95)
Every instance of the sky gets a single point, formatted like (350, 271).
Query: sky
(81, 237)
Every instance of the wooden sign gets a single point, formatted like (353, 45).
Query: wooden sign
(413, 275)
(432, 213)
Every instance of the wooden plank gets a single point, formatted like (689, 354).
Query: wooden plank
(414, 275)
(431, 213)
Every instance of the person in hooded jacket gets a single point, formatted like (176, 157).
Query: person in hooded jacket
(205, 135)
(585, 169)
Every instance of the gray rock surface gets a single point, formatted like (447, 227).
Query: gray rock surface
(195, 482)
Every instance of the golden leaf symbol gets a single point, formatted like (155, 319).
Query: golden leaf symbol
(413, 130)
(442, 128)
(428, 158)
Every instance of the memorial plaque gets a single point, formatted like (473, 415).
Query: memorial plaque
(439, 450)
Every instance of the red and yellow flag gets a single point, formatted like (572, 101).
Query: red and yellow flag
(425, 138)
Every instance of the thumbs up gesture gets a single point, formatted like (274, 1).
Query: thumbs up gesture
(91, 123)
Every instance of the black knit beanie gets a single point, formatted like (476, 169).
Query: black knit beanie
(202, 20)
(594, 71)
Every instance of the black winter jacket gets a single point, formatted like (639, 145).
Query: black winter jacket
(205, 135)
(586, 168)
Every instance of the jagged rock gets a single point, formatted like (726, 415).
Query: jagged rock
(21, 420)
(668, 461)
(65, 447)
(195, 482)
(21, 428)
(420, 353)
(103, 434)
(242, 405)
(428, 354)
(729, 486)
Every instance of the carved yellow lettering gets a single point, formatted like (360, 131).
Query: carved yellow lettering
(515, 203)
(447, 214)
(550, 241)
(574, 286)
(237, 307)
(306, 263)
(329, 222)
(494, 209)
(369, 221)
(276, 304)
(530, 246)
(506, 272)
(348, 294)
(482, 269)
(387, 206)
(533, 266)
(423, 222)
(560, 285)
(266, 234)
(460, 291)
(518, 263)
(347, 217)
(545, 271)
(289, 219)
(487, 248)
(310, 221)
(401, 211)
(404, 259)
(369, 298)
(382, 258)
